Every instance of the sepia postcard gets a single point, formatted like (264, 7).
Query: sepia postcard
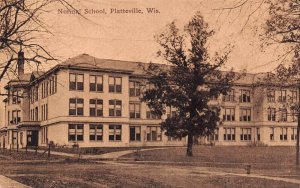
(149, 93)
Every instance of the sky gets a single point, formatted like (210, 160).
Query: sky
(131, 36)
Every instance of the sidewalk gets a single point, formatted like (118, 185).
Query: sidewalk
(107, 156)
(117, 154)
(9, 183)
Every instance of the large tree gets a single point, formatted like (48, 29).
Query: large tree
(189, 81)
(22, 28)
(283, 28)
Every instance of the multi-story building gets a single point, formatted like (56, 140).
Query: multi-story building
(96, 103)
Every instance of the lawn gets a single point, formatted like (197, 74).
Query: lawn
(92, 174)
(267, 160)
(22, 155)
(223, 154)
(158, 168)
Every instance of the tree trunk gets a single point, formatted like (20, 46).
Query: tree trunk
(189, 151)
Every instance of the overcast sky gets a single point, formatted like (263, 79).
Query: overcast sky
(130, 36)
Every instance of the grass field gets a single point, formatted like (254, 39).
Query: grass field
(224, 154)
(160, 168)
(126, 175)
(268, 160)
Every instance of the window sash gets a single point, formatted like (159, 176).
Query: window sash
(115, 132)
(76, 82)
(75, 132)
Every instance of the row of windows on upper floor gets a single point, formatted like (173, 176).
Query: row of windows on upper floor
(76, 83)
(273, 115)
(282, 97)
(245, 96)
(76, 108)
(47, 87)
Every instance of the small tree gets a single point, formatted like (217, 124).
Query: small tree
(189, 82)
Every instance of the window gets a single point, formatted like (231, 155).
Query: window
(229, 97)
(115, 84)
(246, 134)
(21, 138)
(16, 117)
(229, 114)
(271, 95)
(55, 84)
(134, 89)
(213, 98)
(36, 93)
(149, 86)
(43, 90)
(282, 96)
(258, 134)
(229, 134)
(96, 83)
(115, 108)
(294, 96)
(52, 86)
(135, 133)
(245, 114)
(150, 115)
(170, 112)
(76, 107)
(271, 114)
(115, 132)
(32, 95)
(283, 133)
(46, 88)
(75, 132)
(8, 117)
(294, 134)
(214, 136)
(96, 132)
(135, 110)
(36, 114)
(177, 139)
(76, 82)
(15, 97)
(44, 112)
(153, 133)
(283, 114)
(45, 135)
(272, 133)
(245, 96)
(96, 107)
(294, 115)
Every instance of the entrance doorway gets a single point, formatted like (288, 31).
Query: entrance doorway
(32, 138)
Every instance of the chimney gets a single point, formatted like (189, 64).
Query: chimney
(20, 63)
